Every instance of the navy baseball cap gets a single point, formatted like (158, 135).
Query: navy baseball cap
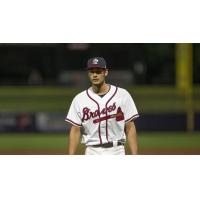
(96, 62)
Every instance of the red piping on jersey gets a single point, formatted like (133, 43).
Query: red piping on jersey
(107, 113)
(99, 115)
(70, 121)
(134, 116)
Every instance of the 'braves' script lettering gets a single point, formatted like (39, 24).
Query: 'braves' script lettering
(87, 113)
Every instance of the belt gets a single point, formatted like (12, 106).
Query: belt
(108, 145)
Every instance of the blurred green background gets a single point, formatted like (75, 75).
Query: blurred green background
(153, 85)
(57, 99)
(171, 143)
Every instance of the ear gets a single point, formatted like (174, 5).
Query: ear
(106, 73)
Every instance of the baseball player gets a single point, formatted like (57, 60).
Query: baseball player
(105, 112)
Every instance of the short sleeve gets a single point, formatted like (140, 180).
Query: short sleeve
(130, 110)
(73, 115)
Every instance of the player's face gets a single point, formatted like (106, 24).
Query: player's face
(97, 76)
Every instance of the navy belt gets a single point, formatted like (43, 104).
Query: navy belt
(108, 145)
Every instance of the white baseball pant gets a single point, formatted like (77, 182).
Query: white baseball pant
(116, 150)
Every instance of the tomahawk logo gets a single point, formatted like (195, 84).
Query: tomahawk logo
(119, 116)
(87, 113)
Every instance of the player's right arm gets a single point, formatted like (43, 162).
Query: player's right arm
(74, 118)
(74, 139)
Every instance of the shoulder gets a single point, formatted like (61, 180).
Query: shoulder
(125, 94)
(122, 91)
(80, 95)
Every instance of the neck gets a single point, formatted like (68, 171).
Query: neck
(100, 89)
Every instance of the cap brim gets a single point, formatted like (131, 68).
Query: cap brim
(95, 67)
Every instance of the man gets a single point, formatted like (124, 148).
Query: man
(106, 114)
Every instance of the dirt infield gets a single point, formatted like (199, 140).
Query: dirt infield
(64, 152)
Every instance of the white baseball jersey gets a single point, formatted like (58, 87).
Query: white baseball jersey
(102, 118)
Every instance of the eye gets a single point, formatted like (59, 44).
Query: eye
(95, 72)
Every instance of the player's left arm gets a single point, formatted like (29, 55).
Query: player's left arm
(131, 134)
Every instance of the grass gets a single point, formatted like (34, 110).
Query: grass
(58, 99)
(33, 141)
(169, 140)
(35, 99)
(54, 142)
